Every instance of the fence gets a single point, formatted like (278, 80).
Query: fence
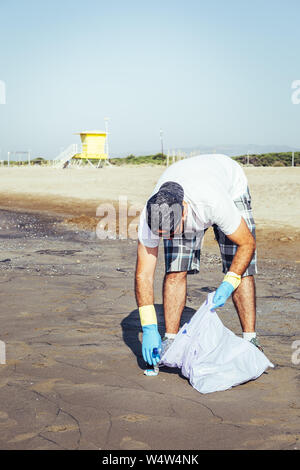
(176, 155)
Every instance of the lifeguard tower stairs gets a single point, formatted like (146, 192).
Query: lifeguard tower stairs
(93, 151)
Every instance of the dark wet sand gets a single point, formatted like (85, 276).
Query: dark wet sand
(279, 242)
(74, 373)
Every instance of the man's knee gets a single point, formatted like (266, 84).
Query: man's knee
(176, 276)
(248, 278)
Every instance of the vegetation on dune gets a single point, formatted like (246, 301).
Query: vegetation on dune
(266, 159)
(33, 161)
(283, 159)
(270, 159)
(158, 159)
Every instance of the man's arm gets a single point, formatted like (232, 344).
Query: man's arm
(246, 248)
(245, 241)
(144, 274)
(144, 277)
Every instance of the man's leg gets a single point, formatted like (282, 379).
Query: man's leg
(244, 297)
(174, 296)
(244, 300)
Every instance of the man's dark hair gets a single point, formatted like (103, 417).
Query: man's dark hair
(165, 209)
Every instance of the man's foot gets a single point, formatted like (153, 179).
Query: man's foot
(165, 344)
(255, 342)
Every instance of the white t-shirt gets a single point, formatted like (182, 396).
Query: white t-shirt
(211, 183)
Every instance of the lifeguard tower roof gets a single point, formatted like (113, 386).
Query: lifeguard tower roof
(91, 132)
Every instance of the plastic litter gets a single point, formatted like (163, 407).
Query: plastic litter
(151, 372)
(155, 371)
(211, 356)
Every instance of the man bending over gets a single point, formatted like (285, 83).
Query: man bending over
(190, 196)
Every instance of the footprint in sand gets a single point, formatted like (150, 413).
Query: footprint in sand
(128, 443)
(133, 418)
(62, 428)
(23, 437)
(45, 385)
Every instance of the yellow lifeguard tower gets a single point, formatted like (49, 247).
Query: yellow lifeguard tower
(94, 151)
(93, 147)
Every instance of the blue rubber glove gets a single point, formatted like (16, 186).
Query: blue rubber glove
(151, 340)
(223, 292)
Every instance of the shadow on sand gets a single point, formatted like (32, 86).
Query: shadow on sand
(131, 328)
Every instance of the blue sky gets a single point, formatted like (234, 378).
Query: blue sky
(217, 72)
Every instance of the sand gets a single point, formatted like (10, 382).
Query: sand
(74, 373)
(74, 379)
(76, 193)
(275, 191)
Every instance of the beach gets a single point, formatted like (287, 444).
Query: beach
(275, 191)
(77, 193)
(73, 377)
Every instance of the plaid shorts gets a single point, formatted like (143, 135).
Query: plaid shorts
(183, 253)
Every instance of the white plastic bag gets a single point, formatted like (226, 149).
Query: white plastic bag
(211, 356)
